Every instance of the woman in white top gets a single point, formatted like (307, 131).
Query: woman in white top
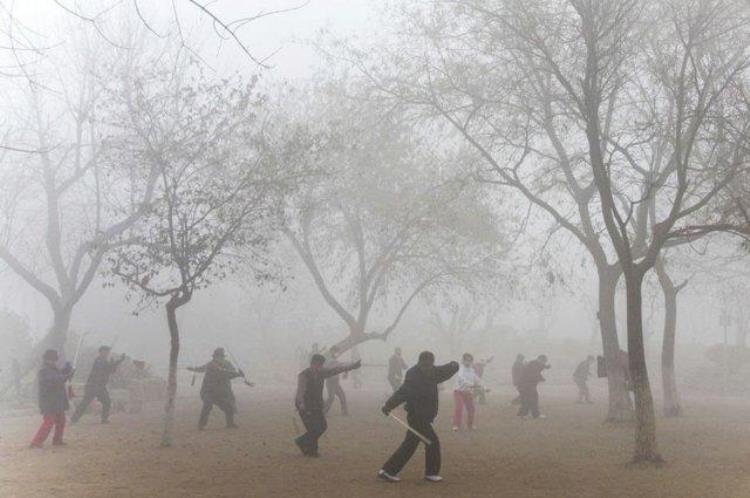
(463, 394)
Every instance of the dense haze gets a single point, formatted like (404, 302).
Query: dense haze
(568, 178)
(565, 309)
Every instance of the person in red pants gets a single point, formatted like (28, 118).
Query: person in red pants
(467, 381)
(53, 399)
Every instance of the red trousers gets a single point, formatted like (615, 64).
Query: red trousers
(56, 419)
(463, 399)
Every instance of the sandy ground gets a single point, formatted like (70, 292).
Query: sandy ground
(570, 454)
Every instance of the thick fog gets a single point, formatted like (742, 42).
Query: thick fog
(282, 178)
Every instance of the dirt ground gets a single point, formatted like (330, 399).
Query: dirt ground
(569, 454)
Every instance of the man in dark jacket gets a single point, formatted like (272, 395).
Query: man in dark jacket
(420, 393)
(580, 377)
(515, 374)
(96, 385)
(309, 401)
(53, 399)
(530, 377)
(216, 388)
(396, 367)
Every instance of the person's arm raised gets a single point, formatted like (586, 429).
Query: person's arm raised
(200, 369)
(330, 372)
(444, 372)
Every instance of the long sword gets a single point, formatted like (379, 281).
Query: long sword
(411, 429)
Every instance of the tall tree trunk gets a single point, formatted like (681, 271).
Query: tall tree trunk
(620, 406)
(672, 405)
(58, 333)
(174, 352)
(646, 448)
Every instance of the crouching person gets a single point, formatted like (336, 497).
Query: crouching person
(53, 399)
(420, 393)
(309, 401)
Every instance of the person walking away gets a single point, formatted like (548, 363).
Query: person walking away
(333, 384)
(467, 381)
(96, 385)
(396, 367)
(515, 373)
(531, 376)
(420, 393)
(53, 399)
(216, 388)
(309, 401)
(580, 377)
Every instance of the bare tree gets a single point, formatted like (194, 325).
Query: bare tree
(218, 192)
(615, 80)
(670, 291)
(71, 188)
(378, 213)
(652, 90)
(511, 115)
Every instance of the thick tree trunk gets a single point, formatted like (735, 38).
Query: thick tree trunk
(646, 448)
(620, 406)
(56, 337)
(355, 338)
(672, 406)
(174, 352)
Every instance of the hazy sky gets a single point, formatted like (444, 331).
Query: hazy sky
(283, 34)
(280, 33)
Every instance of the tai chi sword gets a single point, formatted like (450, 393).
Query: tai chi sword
(411, 429)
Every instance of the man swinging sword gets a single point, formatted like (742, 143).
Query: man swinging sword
(216, 388)
(420, 393)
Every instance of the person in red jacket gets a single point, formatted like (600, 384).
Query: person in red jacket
(53, 399)
(531, 375)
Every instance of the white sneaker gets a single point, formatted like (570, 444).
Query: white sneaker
(542, 416)
(433, 478)
(385, 476)
(455, 428)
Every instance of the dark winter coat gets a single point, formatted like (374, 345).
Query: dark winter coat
(310, 382)
(217, 381)
(420, 390)
(100, 373)
(531, 374)
(52, 395)
(516, 372)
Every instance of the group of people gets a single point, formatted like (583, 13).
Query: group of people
(417, 390)
(54, 397)
(526, 377)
